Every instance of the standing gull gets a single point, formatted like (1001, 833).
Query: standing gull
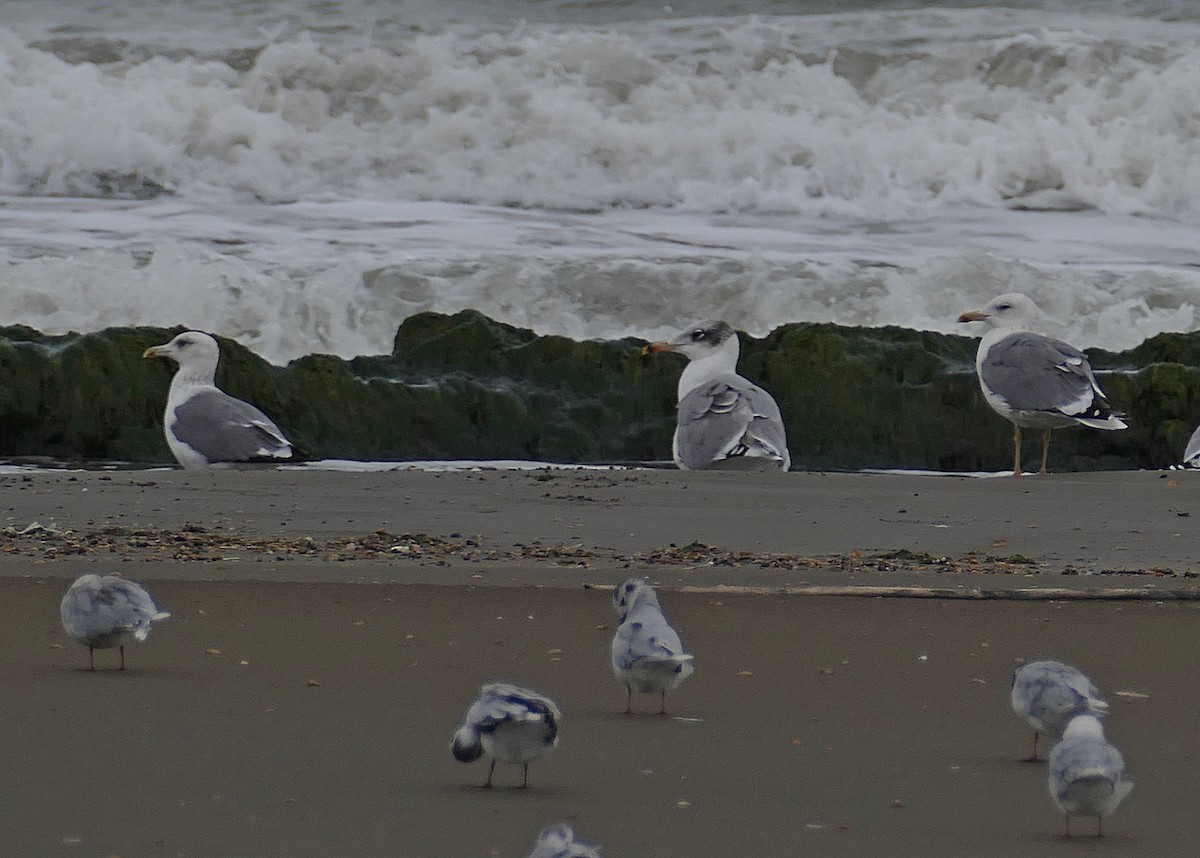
(98, 611)
(1087, 774)
(1034, 381)
(1191, 454)
(204, 425)
(510, 724)
(724, 420)
(647, 655)
(1045, 694)
(558, 841)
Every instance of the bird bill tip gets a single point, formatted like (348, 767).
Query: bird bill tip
(154, 352)
(973, 316)
(658, 346)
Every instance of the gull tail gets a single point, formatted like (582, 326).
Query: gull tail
(467, 746)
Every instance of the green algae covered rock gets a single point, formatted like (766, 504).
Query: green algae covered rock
(466, 386)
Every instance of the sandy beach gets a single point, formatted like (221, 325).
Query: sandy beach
(301, 699)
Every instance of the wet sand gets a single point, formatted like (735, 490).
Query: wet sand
(812, 725)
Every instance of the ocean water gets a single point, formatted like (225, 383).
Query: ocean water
(304, 175)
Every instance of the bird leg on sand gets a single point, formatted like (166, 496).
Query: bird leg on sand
(91, 657)
(1016, 450)
(1099, 825)
(628, 699)
(663, 710)
(525, 782)
(488, 783)
(122, 656)
(1045, 449)
(1033, 758)
(1067, 817)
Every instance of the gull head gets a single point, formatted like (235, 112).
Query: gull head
(1085, 725)
(700, 340)
(558, 841)
(632, 593)
(1011, 310)
(195, 352)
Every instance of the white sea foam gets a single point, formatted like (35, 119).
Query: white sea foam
(303, 176)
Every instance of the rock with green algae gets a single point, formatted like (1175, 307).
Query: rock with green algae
(465, 386)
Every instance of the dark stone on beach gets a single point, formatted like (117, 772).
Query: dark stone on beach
(468, 387)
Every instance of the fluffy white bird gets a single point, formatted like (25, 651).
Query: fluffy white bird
(558, 841)
(205, 426)
(99, 611)
(1045, 694)
(647, 655)
(724, 420)
(510, 724)
(1035, 381)
(1087, 774)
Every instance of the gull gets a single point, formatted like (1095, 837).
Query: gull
(1087, 774)
(1191, 454)
(204, 425)
(1045, 694)
(98, 611)
(1035, 381)
(510, 724)
(724, 420)
(558, 841)
(647, 655)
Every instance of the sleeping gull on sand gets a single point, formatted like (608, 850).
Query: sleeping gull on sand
(510, 724)
(98, 611)
(1034, 381)
(1087, 774)
(1045, 694)
(204, 425)
(558, 841)
(647, 655)
(724, 420)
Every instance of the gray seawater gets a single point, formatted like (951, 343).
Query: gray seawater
(304, 175)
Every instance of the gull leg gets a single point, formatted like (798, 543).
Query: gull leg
(525, 782)
(1067, 817)
(1099, 825)
(91, 657)
(1033, 758)
(628, 699)
(663, 710)
(1045, 449)
(1016, 450)
(122, 656)
(488, 783)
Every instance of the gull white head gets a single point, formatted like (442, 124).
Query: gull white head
(1012, 311)
(1083, 726)
(558, 841)
(633, 593)
(196, 353)
(711, 348)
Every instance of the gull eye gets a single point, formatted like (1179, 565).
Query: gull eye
(698, 335)
(1003, 307)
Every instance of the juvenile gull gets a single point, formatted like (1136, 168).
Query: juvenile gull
(724, 420)
(98, 611)
(1034, 381)
(647, 655)
(1045, 694)
(510, 724)
(1087, 774)
(558, 841)
(204, 425)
